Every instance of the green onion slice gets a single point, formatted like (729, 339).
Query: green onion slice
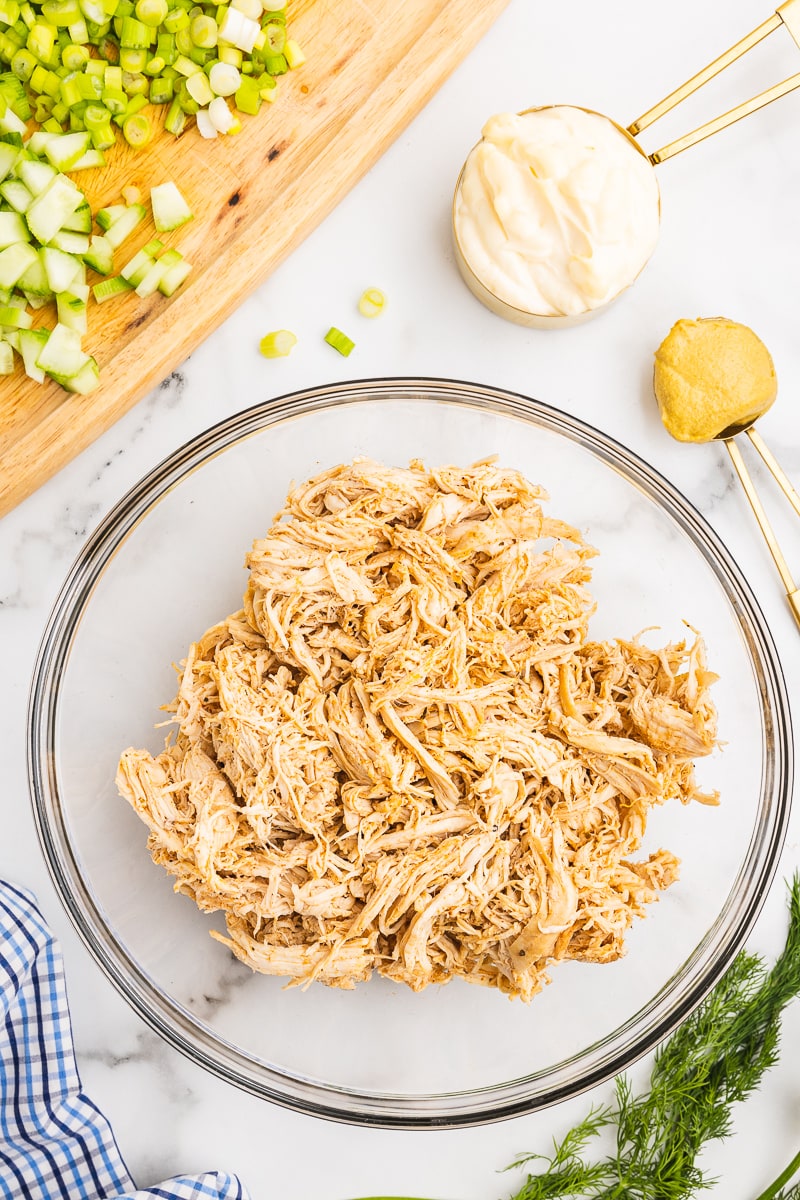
(340, 341)
(277, 344)
(371, 302)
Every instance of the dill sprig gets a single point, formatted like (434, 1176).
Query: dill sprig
(716, 1058)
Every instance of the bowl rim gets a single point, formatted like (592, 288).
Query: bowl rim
(385, 1109)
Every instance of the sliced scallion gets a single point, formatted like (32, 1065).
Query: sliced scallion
(371, 302)
(277, 344)
(340, 341)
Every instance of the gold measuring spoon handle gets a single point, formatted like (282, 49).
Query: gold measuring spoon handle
(792, 592)
(775, 469)
(789, 15)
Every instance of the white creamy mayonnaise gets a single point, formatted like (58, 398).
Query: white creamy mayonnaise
(557, 212)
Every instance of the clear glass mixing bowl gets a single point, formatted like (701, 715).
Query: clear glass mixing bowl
(167, 562)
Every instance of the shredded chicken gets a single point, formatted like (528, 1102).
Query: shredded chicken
(404, 754)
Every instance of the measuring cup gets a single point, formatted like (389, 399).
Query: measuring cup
(787, 15)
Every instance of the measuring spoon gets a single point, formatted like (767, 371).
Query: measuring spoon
(745, 410)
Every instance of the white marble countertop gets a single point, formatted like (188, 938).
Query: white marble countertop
(730, 244)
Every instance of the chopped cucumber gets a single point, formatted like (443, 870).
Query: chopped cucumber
(173, 277)
(80, 221)
(8, 159)
(51, 208)
(71, 243)
(37, 176)
(14, 262)
(135, 271)
(89, 161)
(170, 210)
(65, 150)
(6, 358)
(34, 281)
(125, 224)
(15, 318)
(38, 140)
(100, 255)
(85, 380)
(71, 309)
(61, 268)
(12, 229)
(61, 357)
(31, 344)
(106, 217)
(108, 288)
(16, 195)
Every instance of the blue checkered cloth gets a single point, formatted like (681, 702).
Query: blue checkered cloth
(54, 1143)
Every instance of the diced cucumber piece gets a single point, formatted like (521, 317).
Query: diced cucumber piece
(8, 159)
(149, 282)
(85, 380)
(70, 243)
(80, 221)
(37, 141)
(14, 262)
(61, 356)
(37, 176)
(106, 217)
(107, 289)
(52, 207)
(64, 150)
(89, 161)
(100, 255)
(14, 318)
(172, 279)
(34, 281)
(37, 302)
(72, 311)
(31, 344)
(11, 123)
(170, 210)
(16, 194)
(61, 268)
(125, 224)
(6, 359)
(12, 229)
(12, 337)
(137, 268)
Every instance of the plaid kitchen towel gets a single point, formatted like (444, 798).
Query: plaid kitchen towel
(54, 1143)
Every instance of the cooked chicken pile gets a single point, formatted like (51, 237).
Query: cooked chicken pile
(404, 755)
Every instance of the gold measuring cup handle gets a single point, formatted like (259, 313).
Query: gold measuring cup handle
(789, 15)
(792, 592)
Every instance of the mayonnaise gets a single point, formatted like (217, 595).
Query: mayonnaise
(557, 212)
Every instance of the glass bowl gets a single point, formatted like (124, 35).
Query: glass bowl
(167, 562)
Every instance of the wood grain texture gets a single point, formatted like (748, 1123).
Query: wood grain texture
(371, 66)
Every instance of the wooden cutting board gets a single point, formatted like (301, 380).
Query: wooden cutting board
(371, 66)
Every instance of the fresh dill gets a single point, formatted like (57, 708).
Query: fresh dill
(717, 1057)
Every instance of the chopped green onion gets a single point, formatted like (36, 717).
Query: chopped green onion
(371, 302)
(294, 55)
(277, 344)
(137, 130)
(204, 31)
(340, 341)
(224, 79)
(152, 12)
